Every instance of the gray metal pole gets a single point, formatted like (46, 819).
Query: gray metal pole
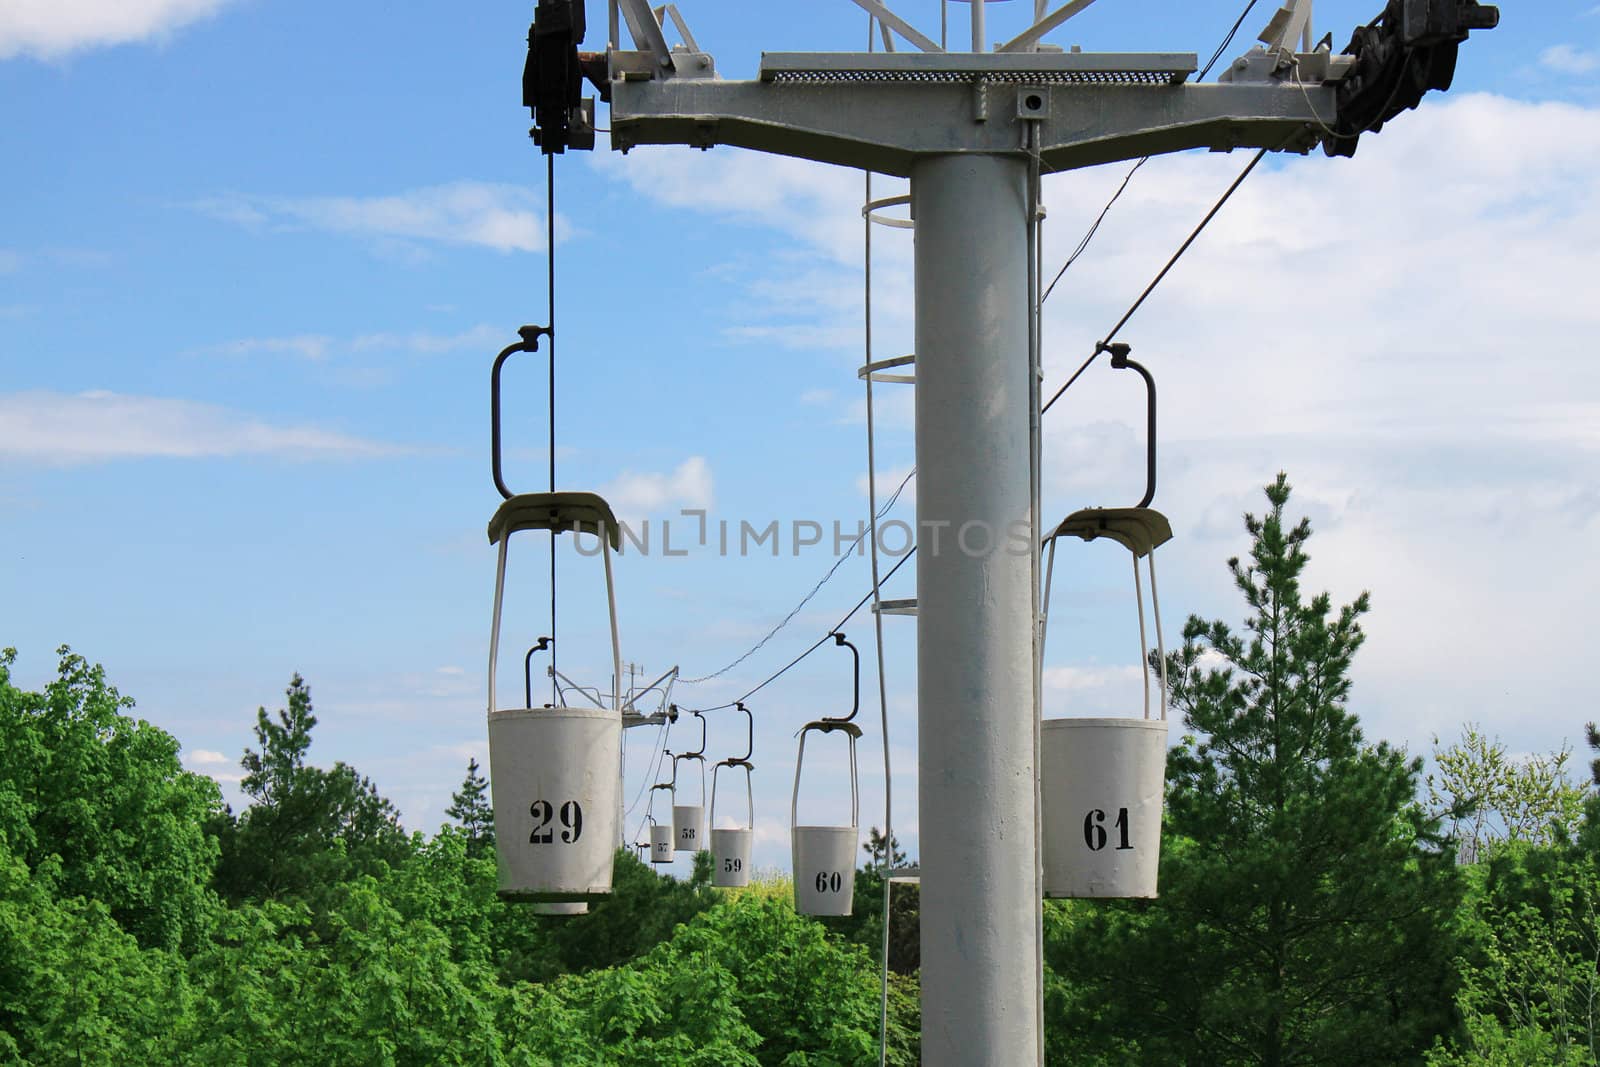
(981, 969)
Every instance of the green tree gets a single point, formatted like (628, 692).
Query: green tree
(100, 801)
(1488, 797)
(1529, 978)
(864, 925)
(1306, 898)
(472, 811)
(75, 987)
(306, 828)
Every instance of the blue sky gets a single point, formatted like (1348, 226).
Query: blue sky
(257, 256)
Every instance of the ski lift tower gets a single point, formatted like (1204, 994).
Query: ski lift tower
(972, 130)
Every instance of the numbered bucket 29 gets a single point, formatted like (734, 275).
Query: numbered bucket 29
(1102, 792)
(553, 775)
(824, 869)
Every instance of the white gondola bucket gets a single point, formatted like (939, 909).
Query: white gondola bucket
(730, 846)
(553, 776)
(730, 850)
(661, 843)
(1102, 788)
(825, 856)
(824, 869)
(555, 773)
(689, 827)
(1103, 779)
(689, 820)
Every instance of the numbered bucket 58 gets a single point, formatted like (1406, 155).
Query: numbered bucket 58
(554, 777)
(689, 827)
(730, 852)
(824, 869)
(1102, 785)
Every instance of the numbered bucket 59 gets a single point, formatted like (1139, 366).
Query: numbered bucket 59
(1102, 786)
(689, 827)
(730, 852)
(554, 777)
(824, 869)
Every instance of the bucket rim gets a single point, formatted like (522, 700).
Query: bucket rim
(831, 829)
(1121, 723)
(505, 714)
(592, 895)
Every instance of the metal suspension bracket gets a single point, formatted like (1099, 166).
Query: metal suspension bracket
(530, 343)
(1119, 361)
(855, 705)
(527, 670)
(552, 78)
(742, 762)
(749, 738)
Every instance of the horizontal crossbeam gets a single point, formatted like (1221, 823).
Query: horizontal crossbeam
(1085, 115)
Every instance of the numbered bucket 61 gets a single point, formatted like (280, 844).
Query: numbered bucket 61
(1102, 793)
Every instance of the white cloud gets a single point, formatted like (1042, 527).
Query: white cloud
(97, 426)
(807, 295)
(428, 344)
(1077, 679)
(50, 28)
(1569, 59)
(306, 346)
(636, 495)
(506, 218)
(209, 763)
(1407, 334)
(320, 347)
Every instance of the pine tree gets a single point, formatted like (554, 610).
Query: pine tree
(306, 828)
(470, 808)
(1305, 893)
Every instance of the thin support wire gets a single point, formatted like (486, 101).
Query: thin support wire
(1257, 158)
(1089, 236)
(770, 634)
(1035, 500)
(877, 628)
(550, 249)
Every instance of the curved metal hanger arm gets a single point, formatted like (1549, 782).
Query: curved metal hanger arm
(855, 706)
(1119, 361)
(701, 751)
(530, 343)
(527, 669)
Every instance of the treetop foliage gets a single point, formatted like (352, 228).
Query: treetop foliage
(1314, 909)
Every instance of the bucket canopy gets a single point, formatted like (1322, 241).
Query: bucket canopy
(587, 512)
(1139, 530)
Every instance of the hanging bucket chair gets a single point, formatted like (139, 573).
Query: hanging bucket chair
(689, 820)
(1102, 778)
(662, 849)
(825, 856)
(730, 846)
(554, 771)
